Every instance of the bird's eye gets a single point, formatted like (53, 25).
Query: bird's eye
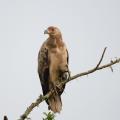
(52, 29)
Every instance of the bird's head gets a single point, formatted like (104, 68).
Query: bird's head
(53, 32)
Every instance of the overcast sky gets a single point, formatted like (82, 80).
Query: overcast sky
(87, 27)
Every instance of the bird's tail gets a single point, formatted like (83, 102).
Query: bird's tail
(55, 103)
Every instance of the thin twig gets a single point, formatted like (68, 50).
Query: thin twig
(42, 98)
(101, 58)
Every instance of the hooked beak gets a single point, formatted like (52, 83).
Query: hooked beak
(46, 32)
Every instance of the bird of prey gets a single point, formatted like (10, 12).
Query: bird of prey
(53, 67)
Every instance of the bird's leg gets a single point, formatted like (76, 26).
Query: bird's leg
(65, 76)
(64, 73)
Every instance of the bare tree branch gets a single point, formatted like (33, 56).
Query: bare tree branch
(93, 69)
(42, 98)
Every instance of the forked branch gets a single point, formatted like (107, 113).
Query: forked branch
(42, 98)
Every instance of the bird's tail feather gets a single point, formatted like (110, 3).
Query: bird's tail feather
(55, 103)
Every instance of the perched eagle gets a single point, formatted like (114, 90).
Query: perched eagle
(53, 67)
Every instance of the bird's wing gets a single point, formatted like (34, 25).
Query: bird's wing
(67, 56)
(43, 68)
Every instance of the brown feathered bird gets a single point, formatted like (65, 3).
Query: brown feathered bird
(53, 67)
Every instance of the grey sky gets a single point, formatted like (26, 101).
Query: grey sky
(87, 26)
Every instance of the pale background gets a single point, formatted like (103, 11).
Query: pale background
(87, 26)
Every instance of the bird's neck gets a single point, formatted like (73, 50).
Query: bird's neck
(55, 41)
